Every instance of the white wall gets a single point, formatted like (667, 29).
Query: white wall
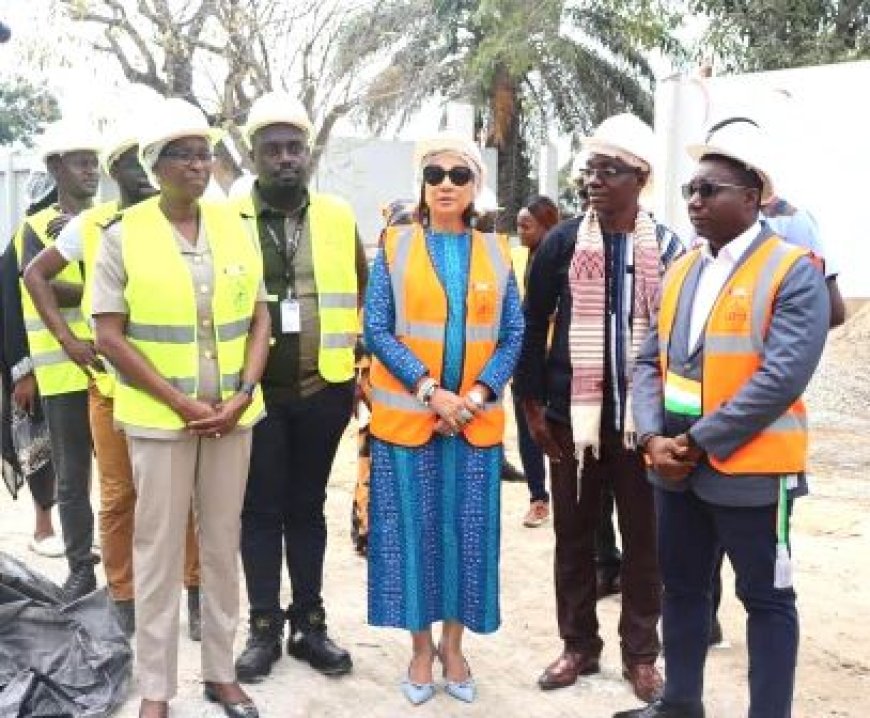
(818, 118)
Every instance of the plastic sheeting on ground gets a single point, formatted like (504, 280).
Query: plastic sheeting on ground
(57, 659)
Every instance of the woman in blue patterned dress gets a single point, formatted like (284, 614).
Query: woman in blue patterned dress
(444, 324)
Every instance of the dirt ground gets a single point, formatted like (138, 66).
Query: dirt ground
(831, 536)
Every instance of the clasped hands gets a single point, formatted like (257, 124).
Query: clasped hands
(454, 412)
(673, 458)
(212, 420)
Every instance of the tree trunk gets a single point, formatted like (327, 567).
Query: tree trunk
(514, 182)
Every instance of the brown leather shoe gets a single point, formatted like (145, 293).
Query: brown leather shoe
(565, 670)
(646, 681)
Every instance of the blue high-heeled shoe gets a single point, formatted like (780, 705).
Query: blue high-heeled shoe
(417, 693)
(465, 690)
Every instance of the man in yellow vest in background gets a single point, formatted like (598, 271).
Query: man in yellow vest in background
(69, 151)
(315, 272)
(717, 397)
(78, 243)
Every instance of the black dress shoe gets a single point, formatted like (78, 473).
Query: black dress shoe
(660, 709)
(243, 709)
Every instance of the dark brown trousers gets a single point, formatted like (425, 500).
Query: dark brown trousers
(575, 523)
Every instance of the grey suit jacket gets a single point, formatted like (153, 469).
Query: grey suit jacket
(792, 349)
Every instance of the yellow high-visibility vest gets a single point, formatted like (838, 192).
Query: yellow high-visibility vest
(91, 229)
(55, 372)
(333, 250)
(162, 321)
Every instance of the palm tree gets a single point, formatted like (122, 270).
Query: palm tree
(523, 64)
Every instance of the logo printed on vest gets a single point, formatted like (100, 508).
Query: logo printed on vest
(484, 301)
(737, 305)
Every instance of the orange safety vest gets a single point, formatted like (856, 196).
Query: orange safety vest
(734, 349)
(421, 314)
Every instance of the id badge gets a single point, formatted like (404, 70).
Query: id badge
(290, 317)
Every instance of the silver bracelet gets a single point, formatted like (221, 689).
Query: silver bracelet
(426, 390)
(477, 399)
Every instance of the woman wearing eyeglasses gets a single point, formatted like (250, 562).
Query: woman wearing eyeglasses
(443, 322)
(179, 306)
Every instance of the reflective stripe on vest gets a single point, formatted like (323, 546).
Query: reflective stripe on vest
(55, 372)
(333, 252)
(162, 305)
(420, 316)
(734, 338)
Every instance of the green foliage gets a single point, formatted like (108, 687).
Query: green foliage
(748, 35)
(523, 64)
(24, 108)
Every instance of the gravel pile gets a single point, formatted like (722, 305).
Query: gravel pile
(842, 382)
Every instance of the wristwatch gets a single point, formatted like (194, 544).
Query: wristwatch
(248, 387)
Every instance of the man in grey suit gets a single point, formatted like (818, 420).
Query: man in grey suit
(717, 387)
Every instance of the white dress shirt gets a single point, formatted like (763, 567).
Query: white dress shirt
(714, 275)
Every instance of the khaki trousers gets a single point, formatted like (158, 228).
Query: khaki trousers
(168, 474)
(118, 502)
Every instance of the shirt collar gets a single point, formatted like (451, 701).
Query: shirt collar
(736, 248)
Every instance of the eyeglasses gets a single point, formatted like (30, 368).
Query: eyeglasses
(706, 189)
(606, 173)
(188, 157)
(434, 175)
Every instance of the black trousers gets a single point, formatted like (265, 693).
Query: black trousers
(291, 458)
(72, 452)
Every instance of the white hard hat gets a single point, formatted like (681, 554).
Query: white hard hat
(626, 137)
(277, 108)
(122, 137)
(486, 201)
(68, 136)
(172, 119)
(745, 143)
(451, 142)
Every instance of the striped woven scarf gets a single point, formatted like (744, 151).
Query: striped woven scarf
(586, 334)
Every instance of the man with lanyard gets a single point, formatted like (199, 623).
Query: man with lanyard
(600, 274)
(78, 242)
(717, 397)
(70, 154)
(315, 272)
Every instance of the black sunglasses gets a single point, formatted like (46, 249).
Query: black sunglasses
(706, 189)
(434, 175)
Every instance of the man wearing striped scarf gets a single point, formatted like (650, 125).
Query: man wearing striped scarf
(600, 274)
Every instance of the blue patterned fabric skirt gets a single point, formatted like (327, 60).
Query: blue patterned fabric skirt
(434, 535)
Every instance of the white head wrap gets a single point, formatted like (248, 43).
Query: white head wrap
(454, 144)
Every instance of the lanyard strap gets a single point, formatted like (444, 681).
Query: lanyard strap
(287, 251)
